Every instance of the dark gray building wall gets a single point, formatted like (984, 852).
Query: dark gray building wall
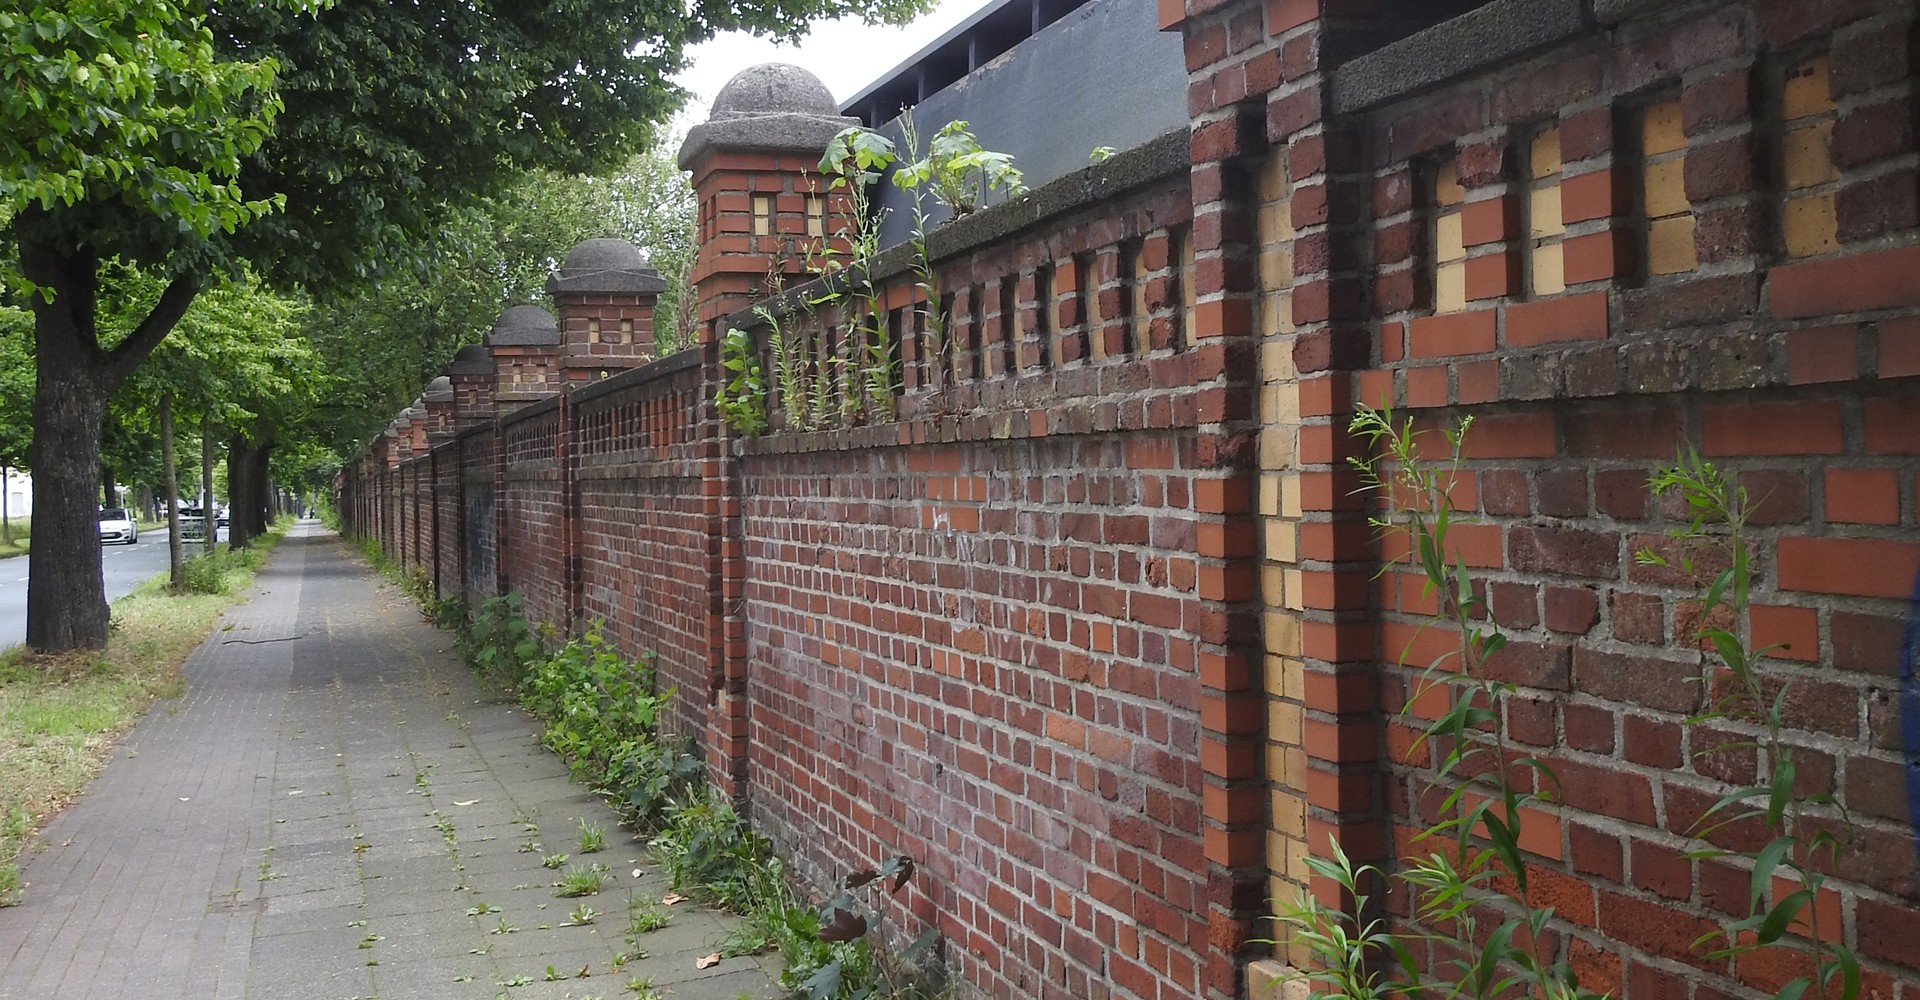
(1102, 75)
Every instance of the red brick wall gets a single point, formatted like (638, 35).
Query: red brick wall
(1715, 277)
(1017, 633)
(645, 517)
(531, 511)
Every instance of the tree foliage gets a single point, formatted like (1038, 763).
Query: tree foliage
(308, 139)
(398, 332)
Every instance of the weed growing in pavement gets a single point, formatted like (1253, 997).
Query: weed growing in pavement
(554, 861)
(593, 836)
(644, 917)
(581, 881)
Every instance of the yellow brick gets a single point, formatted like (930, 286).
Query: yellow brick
(1293, 676)
(1276, 312)
(1295, 773)
(1450, 287)
(1544, 157)
(1283, 633)
(1273, 677)
(1806, 92)
(1282, 543)
(1270, 496)
(1283, 727)
(1276, 268)
(1276, 758)
(1809, 226)
(1543, 213)
(1289, 814)
(1446, 185)
(1807, 156)
(1670, 245)
(1272, 583)
(1276, 447)
(1273, 177)
(1448, 243)
(1295, 599)
(1289, 402)
(1667, 188)
(1290, 496)
(1549, 270)
(1276, 361)
(1269, 401)
(1297, 853)
(1660, 130)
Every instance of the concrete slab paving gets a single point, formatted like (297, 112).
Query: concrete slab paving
(334, 810)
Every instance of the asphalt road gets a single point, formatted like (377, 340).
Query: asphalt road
(124, 567)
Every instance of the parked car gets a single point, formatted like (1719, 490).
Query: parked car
(220, 516)
(117, 527)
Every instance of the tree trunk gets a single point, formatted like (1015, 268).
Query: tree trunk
(66, 596)
(109, 490)
(238, 455)
(176, 570)
(211, 535)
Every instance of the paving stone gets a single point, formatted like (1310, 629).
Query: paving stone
(220, 861)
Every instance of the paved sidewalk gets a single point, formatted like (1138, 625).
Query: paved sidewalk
(333, 811)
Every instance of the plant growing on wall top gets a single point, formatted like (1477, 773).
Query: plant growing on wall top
(959, 173)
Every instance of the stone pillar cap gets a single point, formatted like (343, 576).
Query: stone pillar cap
(524, 326)
(600, 266)
(472, 359)
(772, 106)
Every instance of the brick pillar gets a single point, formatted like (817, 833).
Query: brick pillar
(762, 201)
(470, 377)
(524, 346)
(763, 208)
(1227, 144)
(604, 295)
(439, 403)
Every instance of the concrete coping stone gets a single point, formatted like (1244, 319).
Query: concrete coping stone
(1151, 161)
(659, 368)
(1489, 36)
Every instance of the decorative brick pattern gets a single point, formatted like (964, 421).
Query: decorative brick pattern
(1097, 628)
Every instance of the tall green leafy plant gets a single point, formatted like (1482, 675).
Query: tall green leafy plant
(1490, 789)
(1744, 695)
(959, 173)
(743, 396)
(1501, 946)
(855, 159)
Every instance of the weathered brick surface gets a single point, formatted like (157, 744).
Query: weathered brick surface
(1095, 626)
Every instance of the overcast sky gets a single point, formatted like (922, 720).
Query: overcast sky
(845, 55)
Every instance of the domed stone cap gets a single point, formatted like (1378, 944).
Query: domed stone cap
(773, 88)
(601, 266)
(524, 326)
(773, 107)
(439, 390)
(472, 359)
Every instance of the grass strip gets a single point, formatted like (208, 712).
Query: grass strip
(60, 715)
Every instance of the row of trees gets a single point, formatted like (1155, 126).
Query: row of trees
(167, 151)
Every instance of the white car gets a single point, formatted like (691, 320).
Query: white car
(116, 527)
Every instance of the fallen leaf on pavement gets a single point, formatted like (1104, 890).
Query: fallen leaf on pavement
(671, 898)
(708, 962)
